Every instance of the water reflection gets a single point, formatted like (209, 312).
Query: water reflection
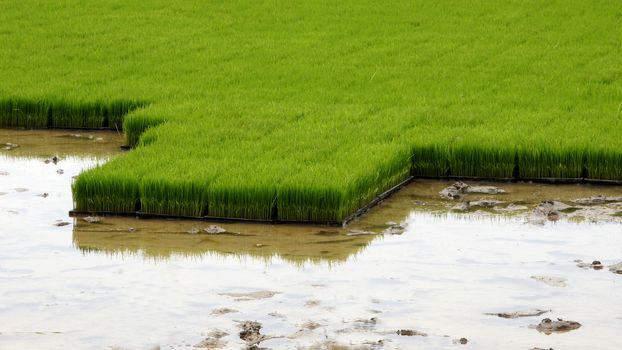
(160, 239)
(66, 143)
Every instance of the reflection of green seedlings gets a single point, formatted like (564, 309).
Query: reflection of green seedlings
(297, 248)
(306, 116)
(56, 113)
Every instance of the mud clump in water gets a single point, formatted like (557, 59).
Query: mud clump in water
(223, 311)
(93, 219)
(599, 199)
(454, 191)
(551, 280)
(312, 303)
(263, 294)
(550, 210)
(616, 268)
(411, 333)
(213, 340)
(193, 231)
(277, 315)
(462, 341)
(485, 203)
(61, 223)
(76, 136)
(395, 228)
(517, 314)
(468, 205)
(364, 324)
(214, 230)
(458, 189)
(596, 265)
(461, 207)
(310, 325)
(361, 233)
(53, 160)
(250, 333)
(548, 326)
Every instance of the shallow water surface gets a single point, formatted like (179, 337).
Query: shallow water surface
(125, 283)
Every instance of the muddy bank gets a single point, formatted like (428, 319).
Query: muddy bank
(527, 202)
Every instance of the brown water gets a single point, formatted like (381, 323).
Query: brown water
(142, 284)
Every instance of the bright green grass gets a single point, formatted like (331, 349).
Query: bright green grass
(315, 107)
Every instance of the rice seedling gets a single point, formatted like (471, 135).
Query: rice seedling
(95, 193)
(306, 115)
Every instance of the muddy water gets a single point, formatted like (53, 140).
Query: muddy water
(142, 284)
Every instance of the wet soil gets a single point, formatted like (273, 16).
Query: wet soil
(53, 143)
(521, 313)
(412, 273)
(548, 326)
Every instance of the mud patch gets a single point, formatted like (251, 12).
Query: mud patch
(596, 265)
(365, 324)
(551, 280)
(263, 294)
(548, 326)
(517, 314)
(310, 325)
(395, 228)
(223, 311)
(277, 314)
(53, 160)
(77, 136)
(458, 189)
(461, 341)
(213, 340)
(361, 233)
(312, 303)
(250, 333)
(411, 333)
(214, 230)
(93, 219)
(549, 210)
(598, 199)
(616, 268)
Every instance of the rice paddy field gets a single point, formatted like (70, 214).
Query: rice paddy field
(419, 271)
(307, 110)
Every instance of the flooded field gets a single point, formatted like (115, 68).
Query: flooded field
(437, 266)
